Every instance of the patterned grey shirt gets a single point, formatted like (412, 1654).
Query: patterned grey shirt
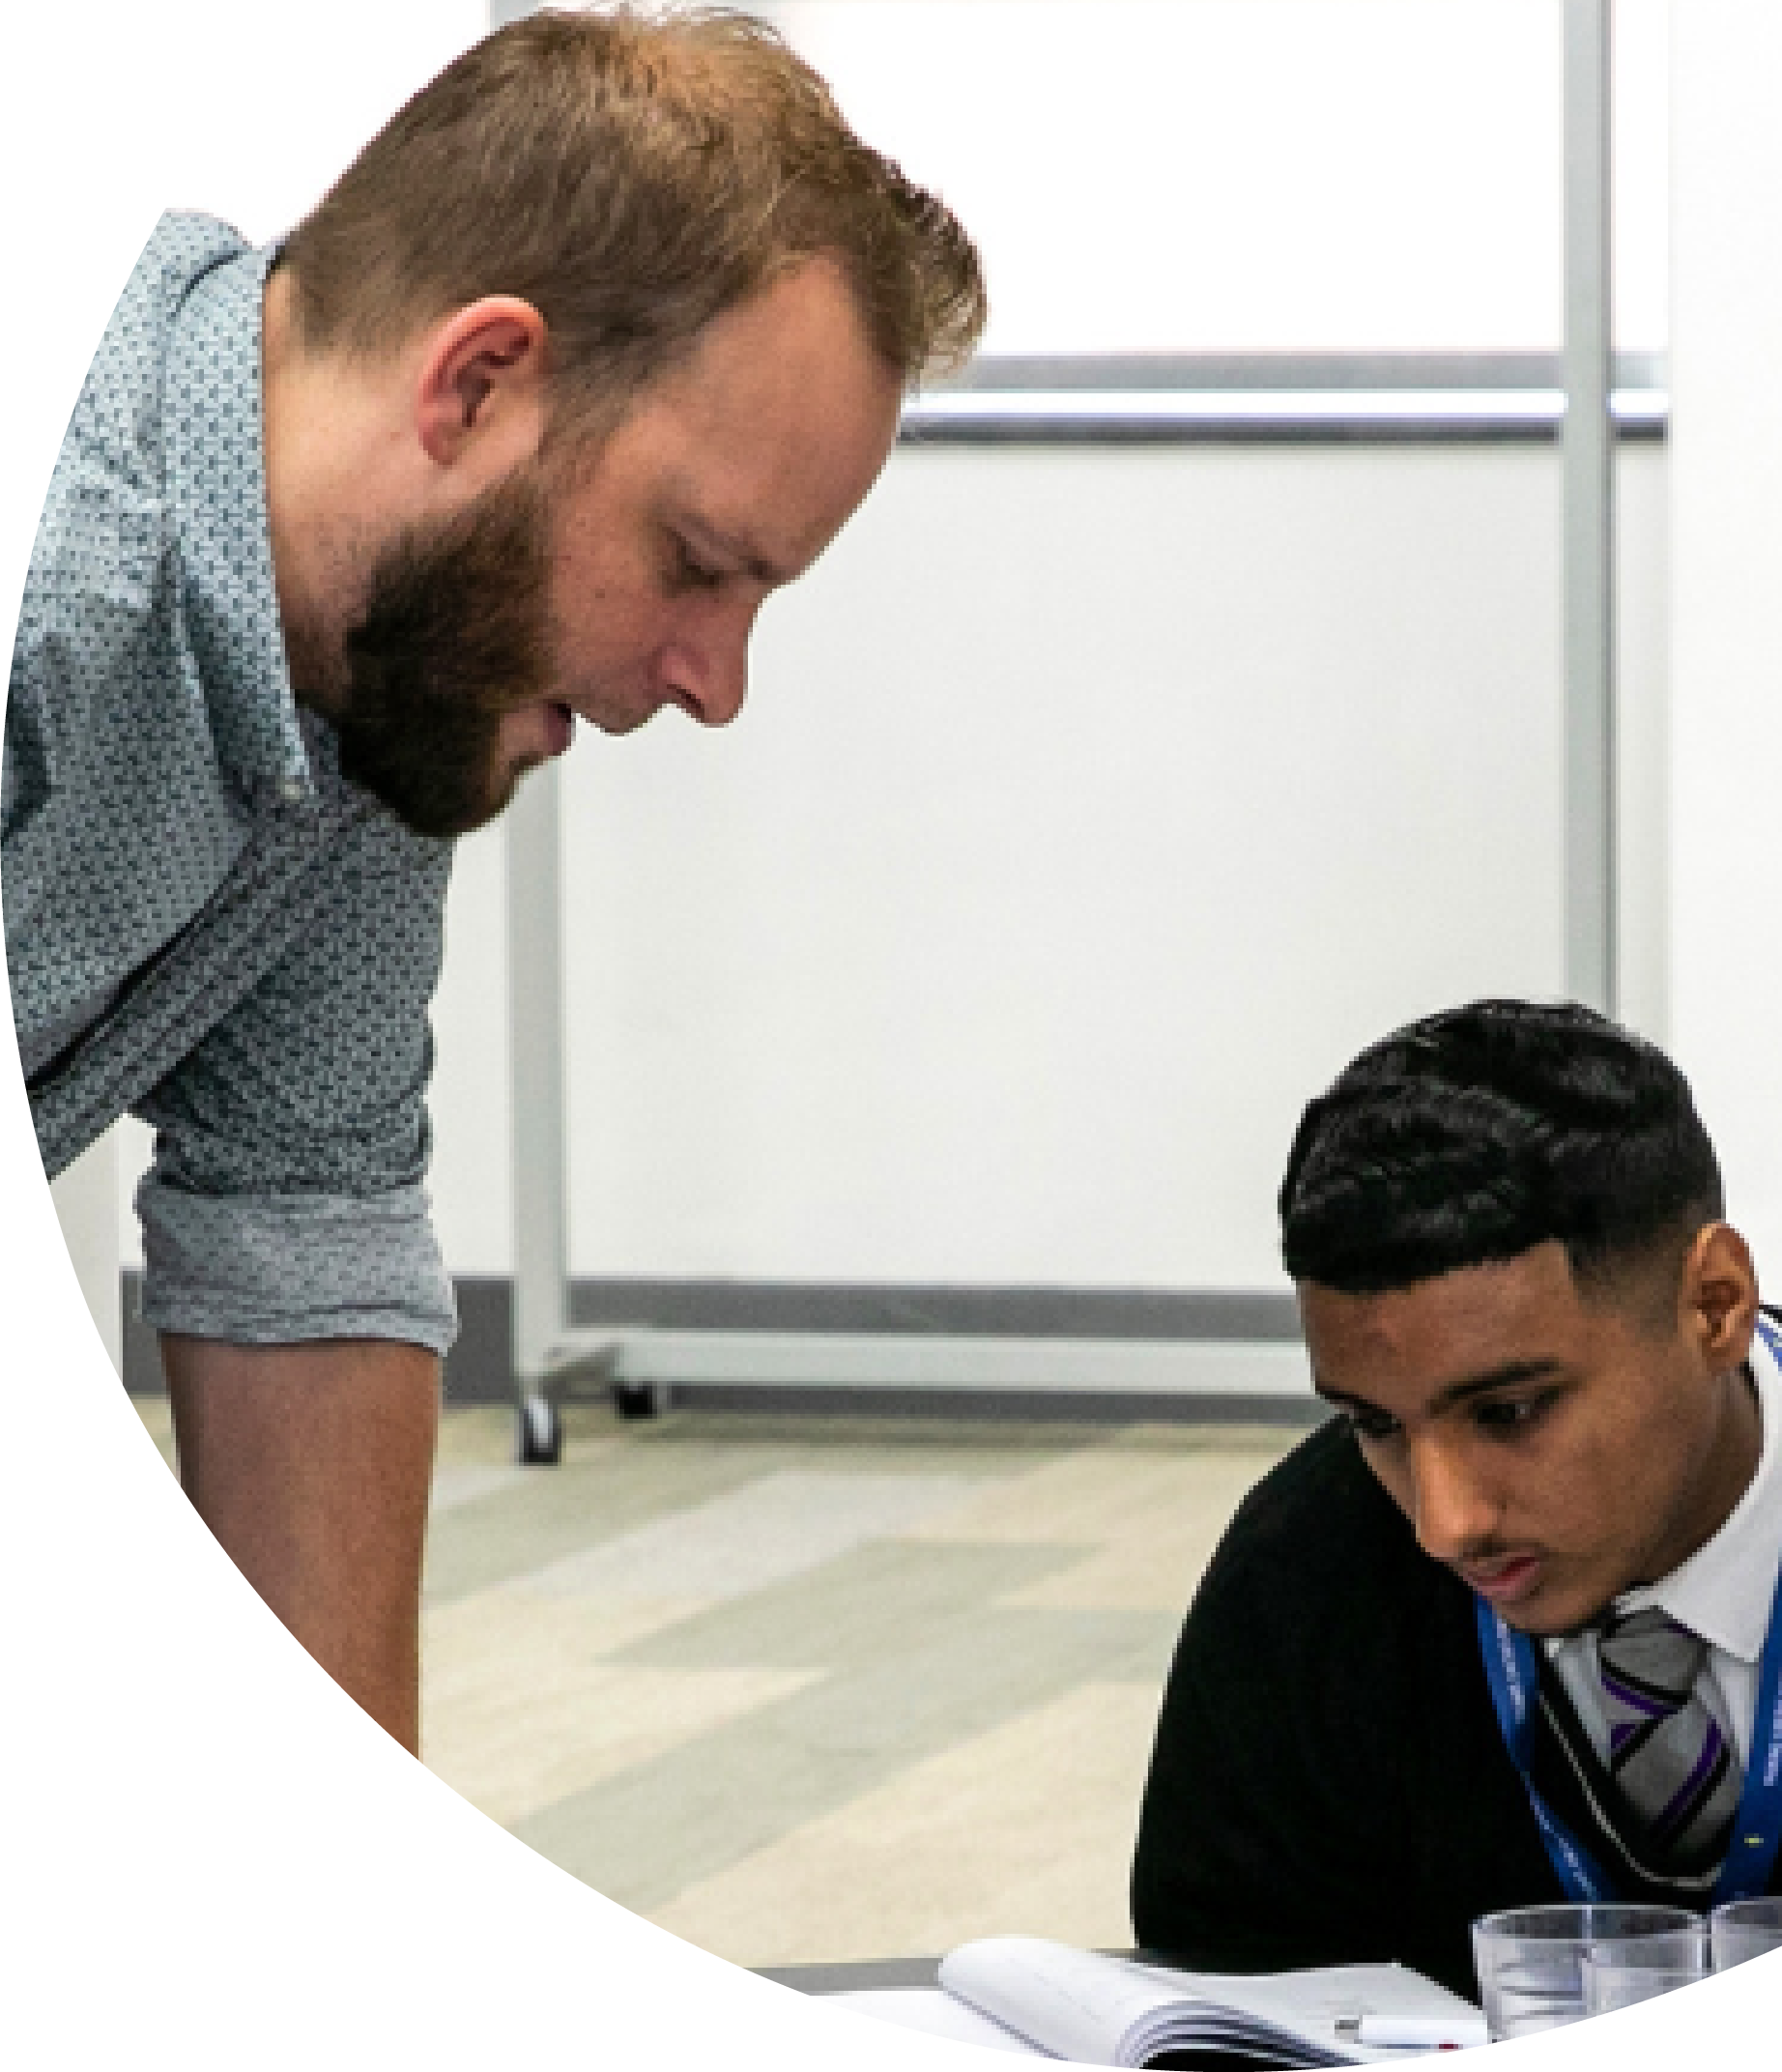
(205, 925)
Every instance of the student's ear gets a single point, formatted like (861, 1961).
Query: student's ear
(1719, 1295)
(479, 390)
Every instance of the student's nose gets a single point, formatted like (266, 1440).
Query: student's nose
(1453, 1512)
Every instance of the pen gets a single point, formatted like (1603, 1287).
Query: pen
(1421, 2032)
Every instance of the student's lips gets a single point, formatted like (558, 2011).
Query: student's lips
(1503, 1581)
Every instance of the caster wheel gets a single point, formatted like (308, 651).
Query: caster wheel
(636, 1399)
(538, 1437)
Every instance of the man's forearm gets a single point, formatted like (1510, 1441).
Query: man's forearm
(311, 1464)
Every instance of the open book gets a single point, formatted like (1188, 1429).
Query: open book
(1017, 1993)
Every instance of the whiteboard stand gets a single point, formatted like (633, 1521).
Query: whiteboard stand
(639, 1365)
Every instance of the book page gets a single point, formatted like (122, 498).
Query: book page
(1106, 2010)
(936, 2014)
(1309, 2004)
(1070, 2002)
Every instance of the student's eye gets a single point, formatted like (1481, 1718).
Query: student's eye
(1510, 1413)
(1372, 1425)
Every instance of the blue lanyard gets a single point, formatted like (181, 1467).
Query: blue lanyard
(1514, 1671)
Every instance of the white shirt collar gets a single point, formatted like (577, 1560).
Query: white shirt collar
(1725, 1589)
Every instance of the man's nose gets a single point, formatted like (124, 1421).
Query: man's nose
(1455, 1513)
(708, 676)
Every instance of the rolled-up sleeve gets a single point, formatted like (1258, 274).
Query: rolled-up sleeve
(283, 1269)
(286, 1200)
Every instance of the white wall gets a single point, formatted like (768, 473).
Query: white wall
(1234, 176)
(1727, 553)
(1090, 808)
(85, 1198)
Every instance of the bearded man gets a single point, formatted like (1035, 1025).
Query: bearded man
(598, 343)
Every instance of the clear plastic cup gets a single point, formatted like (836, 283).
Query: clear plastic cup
(1744, 1928)
(1631, 1969)
(1530, 1960)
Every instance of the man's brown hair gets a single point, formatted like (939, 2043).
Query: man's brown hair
(631, 173)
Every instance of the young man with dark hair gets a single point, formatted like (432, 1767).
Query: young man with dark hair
(597, 344)
(1500, 1632)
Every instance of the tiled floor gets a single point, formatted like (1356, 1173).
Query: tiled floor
(806, 1691)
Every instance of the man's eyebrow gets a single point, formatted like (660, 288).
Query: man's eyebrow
(733, 547)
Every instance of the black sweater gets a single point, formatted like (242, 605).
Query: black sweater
(1328, 1784)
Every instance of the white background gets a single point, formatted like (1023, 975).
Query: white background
(1255, 175)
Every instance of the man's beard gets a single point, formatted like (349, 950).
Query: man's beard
(454, 633)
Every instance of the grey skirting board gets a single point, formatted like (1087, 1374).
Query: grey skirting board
(480, 1368)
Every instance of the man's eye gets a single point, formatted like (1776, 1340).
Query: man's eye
(690, 572)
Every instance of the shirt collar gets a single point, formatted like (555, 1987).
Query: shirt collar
(1725, 1590)
(216, 482)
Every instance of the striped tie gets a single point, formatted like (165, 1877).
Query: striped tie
(1677, 1771)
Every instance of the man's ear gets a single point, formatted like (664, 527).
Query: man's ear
(480, 385)
(1719, 1295)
